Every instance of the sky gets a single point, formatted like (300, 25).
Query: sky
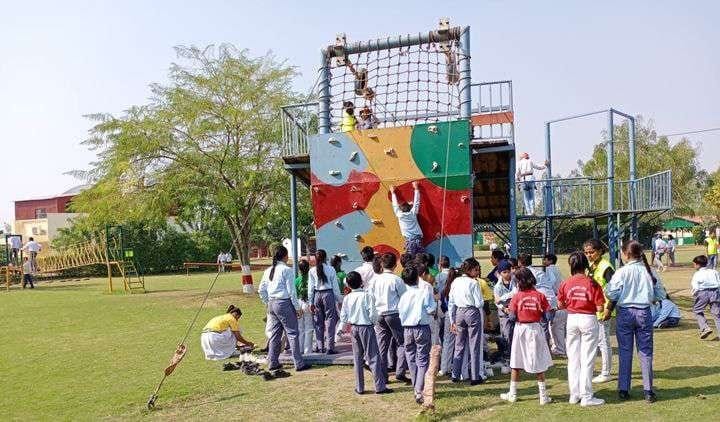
(60, 61)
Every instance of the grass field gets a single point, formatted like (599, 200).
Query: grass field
(70, 351)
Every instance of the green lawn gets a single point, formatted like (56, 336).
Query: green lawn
(70, 351)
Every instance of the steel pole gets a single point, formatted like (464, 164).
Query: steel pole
(610, 152)
(324, 94)
(293, 221)
(465, 76)
(633, 177)
(548, 199)
(435, 36)
(513, 207)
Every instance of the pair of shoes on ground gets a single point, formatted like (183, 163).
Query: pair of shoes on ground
(705, 333)
(586, 402)
(385, 391)
(512, 398)
(601, 378)
(650, 396)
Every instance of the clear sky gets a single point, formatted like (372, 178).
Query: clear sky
(61, 60)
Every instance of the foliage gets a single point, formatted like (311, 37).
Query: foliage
(205, 147)
(698, 233)
(653, 154)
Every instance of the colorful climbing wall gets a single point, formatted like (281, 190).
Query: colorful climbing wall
(351, 177)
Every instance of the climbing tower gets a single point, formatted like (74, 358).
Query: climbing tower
(425, 128)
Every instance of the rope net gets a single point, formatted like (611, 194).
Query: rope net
(400, 86)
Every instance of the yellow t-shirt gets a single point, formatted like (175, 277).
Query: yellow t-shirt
(712, 246)
(486, 290)
(221, 323)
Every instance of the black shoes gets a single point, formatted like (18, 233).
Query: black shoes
(403, 378)
(303, 368)
(359, 393)
(478, 382)
(650, 397)
(455, 380)
(623, 395)
(385, 391)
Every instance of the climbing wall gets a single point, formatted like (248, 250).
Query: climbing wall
(351, 177)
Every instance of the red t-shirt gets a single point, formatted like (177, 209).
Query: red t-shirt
(581, 295)
(529, 305)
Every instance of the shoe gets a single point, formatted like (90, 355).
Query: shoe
(403, 378)
(592, 401)
(505, 370)
(601, 378)
(391, 369)
(441, 373)
(385, 391)
(275, 368)
(455, 380)
(419, 399)
(545, 399)
(280, 373)
(574, 400)
(331, 352)
(230, 366)
(650, 397)
(705, 333)
(623, 395)
(366, 367)
(303, 368)
(359, 393)
(512, 398)
(478, 382)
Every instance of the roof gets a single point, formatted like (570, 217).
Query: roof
(70, 192)
(681, 223)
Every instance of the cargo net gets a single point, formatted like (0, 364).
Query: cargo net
(398, 86)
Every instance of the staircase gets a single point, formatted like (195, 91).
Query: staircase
(133, 280)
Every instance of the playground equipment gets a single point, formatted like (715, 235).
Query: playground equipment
(433, 125)
(108, 249)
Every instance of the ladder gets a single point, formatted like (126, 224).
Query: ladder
(134, 282)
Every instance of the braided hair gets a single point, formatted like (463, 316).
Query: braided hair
(280, 254)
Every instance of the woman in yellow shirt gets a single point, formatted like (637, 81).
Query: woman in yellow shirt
(221, 335)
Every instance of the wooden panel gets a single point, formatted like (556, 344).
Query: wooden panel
(492, 118)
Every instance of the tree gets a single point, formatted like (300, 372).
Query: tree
(653, 154)
(206, 143)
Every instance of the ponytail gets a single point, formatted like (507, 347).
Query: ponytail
(280, 254)
(649, 270)
(320, 258)
(452, 274)
(634, 250)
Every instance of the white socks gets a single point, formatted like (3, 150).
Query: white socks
(513, 388)
(541, 388)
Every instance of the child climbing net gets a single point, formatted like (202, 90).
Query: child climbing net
(398, 86)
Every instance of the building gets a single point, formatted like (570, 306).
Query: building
(42, 218)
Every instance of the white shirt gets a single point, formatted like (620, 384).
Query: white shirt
(552, 272)
(705, 279)
(358, 308)
(314, 283)
(416, 305)
(544, 286)
(32, 246)
(464, 292)
(27, 267)
(282, 285)
(386, 289)
(525, 170)
(409, 226)
(366, 272)
(660, 245)
(15, 242)
(221, 258)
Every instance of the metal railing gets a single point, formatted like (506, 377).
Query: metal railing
(298, 122)
(582, 196)
(493, 97)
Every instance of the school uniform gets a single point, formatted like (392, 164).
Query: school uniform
(414, 309)
(706, 291)
(409, 225)
(358, 310)
(633, 290)
(434, 325)
(325, 296)
(581, 296)
(386, 289)
(504, 292)
(280, 295)
(366, 273)
(559, 322)
(529, 351)
(440, 281)
(465, 310)
(665, 314)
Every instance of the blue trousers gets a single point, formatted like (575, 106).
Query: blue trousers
(634, 326)
(712, 261)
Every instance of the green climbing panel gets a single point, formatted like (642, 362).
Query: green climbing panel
(432, 143)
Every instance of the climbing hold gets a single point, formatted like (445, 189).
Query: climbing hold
(316, 188)
(354, 188)
(334, 172)
(358, 237)
(464, 198)
(353, 156)
(461, 145)
(390, 151)
(355, 205)
(432, 129)
(435, 166)
(332, 140)
(376, 221)
(339, 223)
(341, 255)
(373, 136)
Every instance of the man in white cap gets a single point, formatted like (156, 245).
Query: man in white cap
(525, 174)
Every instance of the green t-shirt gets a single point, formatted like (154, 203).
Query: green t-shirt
(341, 280)
(433, 271)
(301, 287)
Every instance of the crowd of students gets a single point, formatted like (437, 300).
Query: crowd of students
(394, 320)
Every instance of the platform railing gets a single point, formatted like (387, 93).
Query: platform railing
(489, 98)
(298, 122)
(582, 196)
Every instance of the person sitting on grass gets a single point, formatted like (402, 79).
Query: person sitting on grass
(358, 310)
(665, 314)
(530, 351)
(221, 335)
(705, 286)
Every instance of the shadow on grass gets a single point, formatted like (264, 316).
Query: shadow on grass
(684, 372)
